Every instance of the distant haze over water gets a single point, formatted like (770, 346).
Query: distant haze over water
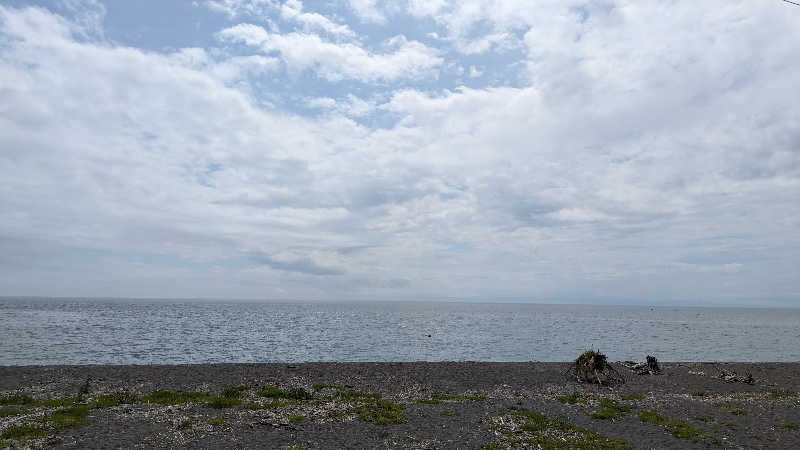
(76, 331)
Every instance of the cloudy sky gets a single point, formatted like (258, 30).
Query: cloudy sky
(552, 151)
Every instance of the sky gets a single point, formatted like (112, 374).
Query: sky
(567, 151)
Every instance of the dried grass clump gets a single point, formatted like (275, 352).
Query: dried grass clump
(593, 367)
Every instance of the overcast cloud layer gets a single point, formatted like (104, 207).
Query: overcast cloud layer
(567, 151)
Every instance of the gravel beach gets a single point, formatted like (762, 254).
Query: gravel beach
(397, 405)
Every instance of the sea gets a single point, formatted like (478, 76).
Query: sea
(45, 331)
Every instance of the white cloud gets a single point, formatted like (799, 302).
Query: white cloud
(350, 106)
(368, 11)
(293, 10)
(646, 154)
(235, 8)
(338, 61)
(228, 69)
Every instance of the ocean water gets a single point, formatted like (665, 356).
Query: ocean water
(75, 331)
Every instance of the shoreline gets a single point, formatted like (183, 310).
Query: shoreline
(426, 405)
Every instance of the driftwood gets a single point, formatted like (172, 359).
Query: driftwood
(593, 367)
(732, 377)
(650, 367)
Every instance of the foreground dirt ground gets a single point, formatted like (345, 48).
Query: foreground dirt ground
(396, 405)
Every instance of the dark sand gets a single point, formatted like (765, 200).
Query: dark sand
(765, 414)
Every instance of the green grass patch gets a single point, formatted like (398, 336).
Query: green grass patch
(610, 409)
(26, 400)
(381, 412)
(217, 421)
(428, 401)
(787, 426)
(114, 399)
(448, 413)
(540, 431)
(16, 399)
(678, 429)
(575, 397)
(234, 391)
(220, 402)
(338, 414)
(296, 418)
(13, 412)
(294, 393)
(175, 398)
(703, 419)
(739, 412)
(24, 432)
(631, 397)
(68, 417)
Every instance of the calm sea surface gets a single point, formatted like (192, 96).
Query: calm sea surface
(60, 331)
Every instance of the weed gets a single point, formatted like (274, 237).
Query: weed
(448, 413)
(234, 391)
(84, 390)
(428, 401)
(294, 394)
(738, 412)
(787, 426)
(68, 417)
(699, 394)
(632, 396)
(296, 418)
(185, 423)
(114, 399)
(493, 446)
(575, 397)
(321, 386)
(610, 409)
(383, 434)
(380, 413)
(678, 429)
(703, 419)
(61, 402)
(541, 431)
(220, 402)
(175, 398)
(337, 414)
(24, 432)
(754, 436)
(216, 421)
(16, 399)
(12, 412)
